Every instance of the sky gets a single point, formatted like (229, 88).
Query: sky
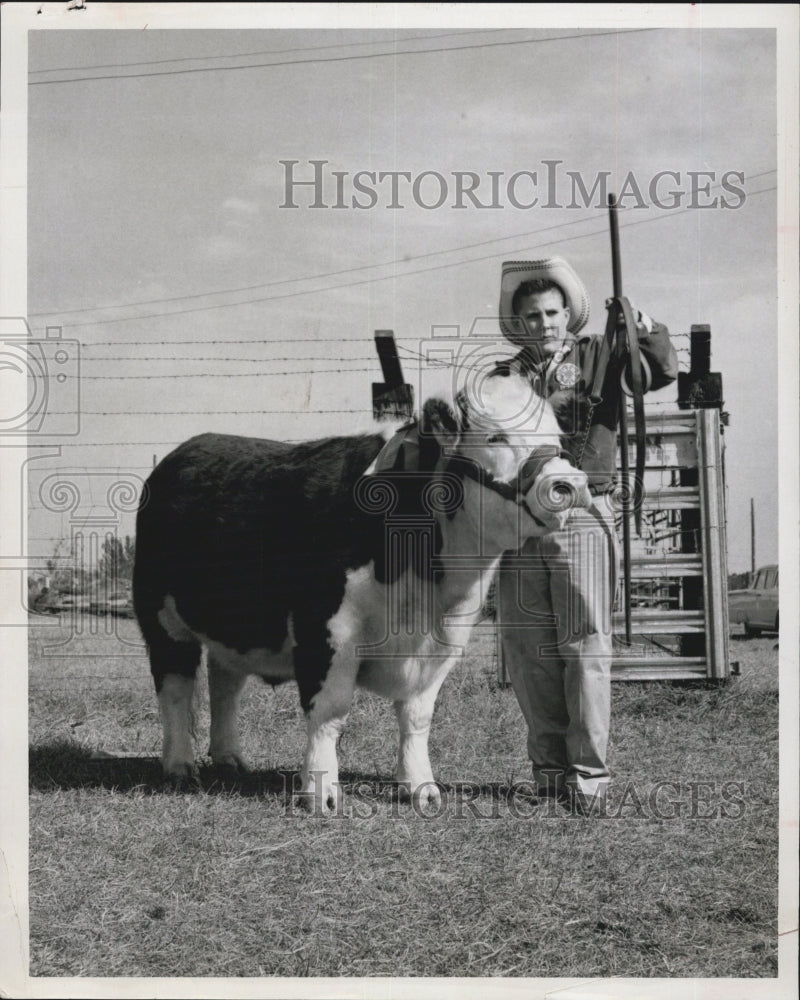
(159, 235)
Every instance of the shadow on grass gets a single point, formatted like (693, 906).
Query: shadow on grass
(64, 766)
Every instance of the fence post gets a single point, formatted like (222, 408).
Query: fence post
(715, 557)
(393, 398)
(699, 388)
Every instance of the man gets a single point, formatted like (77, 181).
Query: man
(555, 597)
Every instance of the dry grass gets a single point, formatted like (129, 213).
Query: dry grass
(130, 879)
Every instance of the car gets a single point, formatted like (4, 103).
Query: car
(756, 607)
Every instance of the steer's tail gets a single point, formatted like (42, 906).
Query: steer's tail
(151, 588)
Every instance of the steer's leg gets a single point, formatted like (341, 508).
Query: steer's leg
(325, 669)
(174, 665)
(225, 689)
(174, 655)
(326, 717)
(328, 627)
(173, 649)
(413, 774)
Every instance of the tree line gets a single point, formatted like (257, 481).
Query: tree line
(68, 573)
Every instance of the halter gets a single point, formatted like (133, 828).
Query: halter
(516, 490)
(403, 452)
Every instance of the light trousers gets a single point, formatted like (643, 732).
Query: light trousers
(554, 610)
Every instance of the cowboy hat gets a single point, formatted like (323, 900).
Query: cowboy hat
(556, 269)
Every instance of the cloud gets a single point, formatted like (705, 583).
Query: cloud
(241, 206)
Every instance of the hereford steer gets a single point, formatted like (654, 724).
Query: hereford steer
(339, 563)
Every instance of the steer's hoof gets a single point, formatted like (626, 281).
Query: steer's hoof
(228, 775)
(401, 791)
(321, 803)
(425, 796)
(183, 778)
(230, 768)
(235, 761)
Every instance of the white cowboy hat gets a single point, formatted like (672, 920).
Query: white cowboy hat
(556, 269)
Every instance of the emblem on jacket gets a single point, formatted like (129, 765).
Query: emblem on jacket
(567, 375)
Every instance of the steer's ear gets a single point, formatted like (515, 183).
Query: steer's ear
(439, 431)
(439, 421)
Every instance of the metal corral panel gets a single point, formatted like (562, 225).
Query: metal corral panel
(667, 452)
(677, 564)
(672, 498)
(659, 668)
(658, 621)
(714, 543)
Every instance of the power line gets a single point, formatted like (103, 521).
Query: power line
(315, 277)
(404, 274)
(269, 52)
(347, 270)
(335, 59)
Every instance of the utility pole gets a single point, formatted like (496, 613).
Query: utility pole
(752, 537)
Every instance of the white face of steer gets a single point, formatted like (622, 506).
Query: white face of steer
(507, 425)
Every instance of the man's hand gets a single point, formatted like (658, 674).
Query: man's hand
(642, 319)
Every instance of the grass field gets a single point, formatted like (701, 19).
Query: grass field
(130, 879)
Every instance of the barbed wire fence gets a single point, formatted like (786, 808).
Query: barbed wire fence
(356, 365)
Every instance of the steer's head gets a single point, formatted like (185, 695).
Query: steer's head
(505, 439)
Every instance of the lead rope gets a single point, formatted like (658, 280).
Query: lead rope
(579, 460)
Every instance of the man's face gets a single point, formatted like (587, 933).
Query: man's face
(546, 318)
